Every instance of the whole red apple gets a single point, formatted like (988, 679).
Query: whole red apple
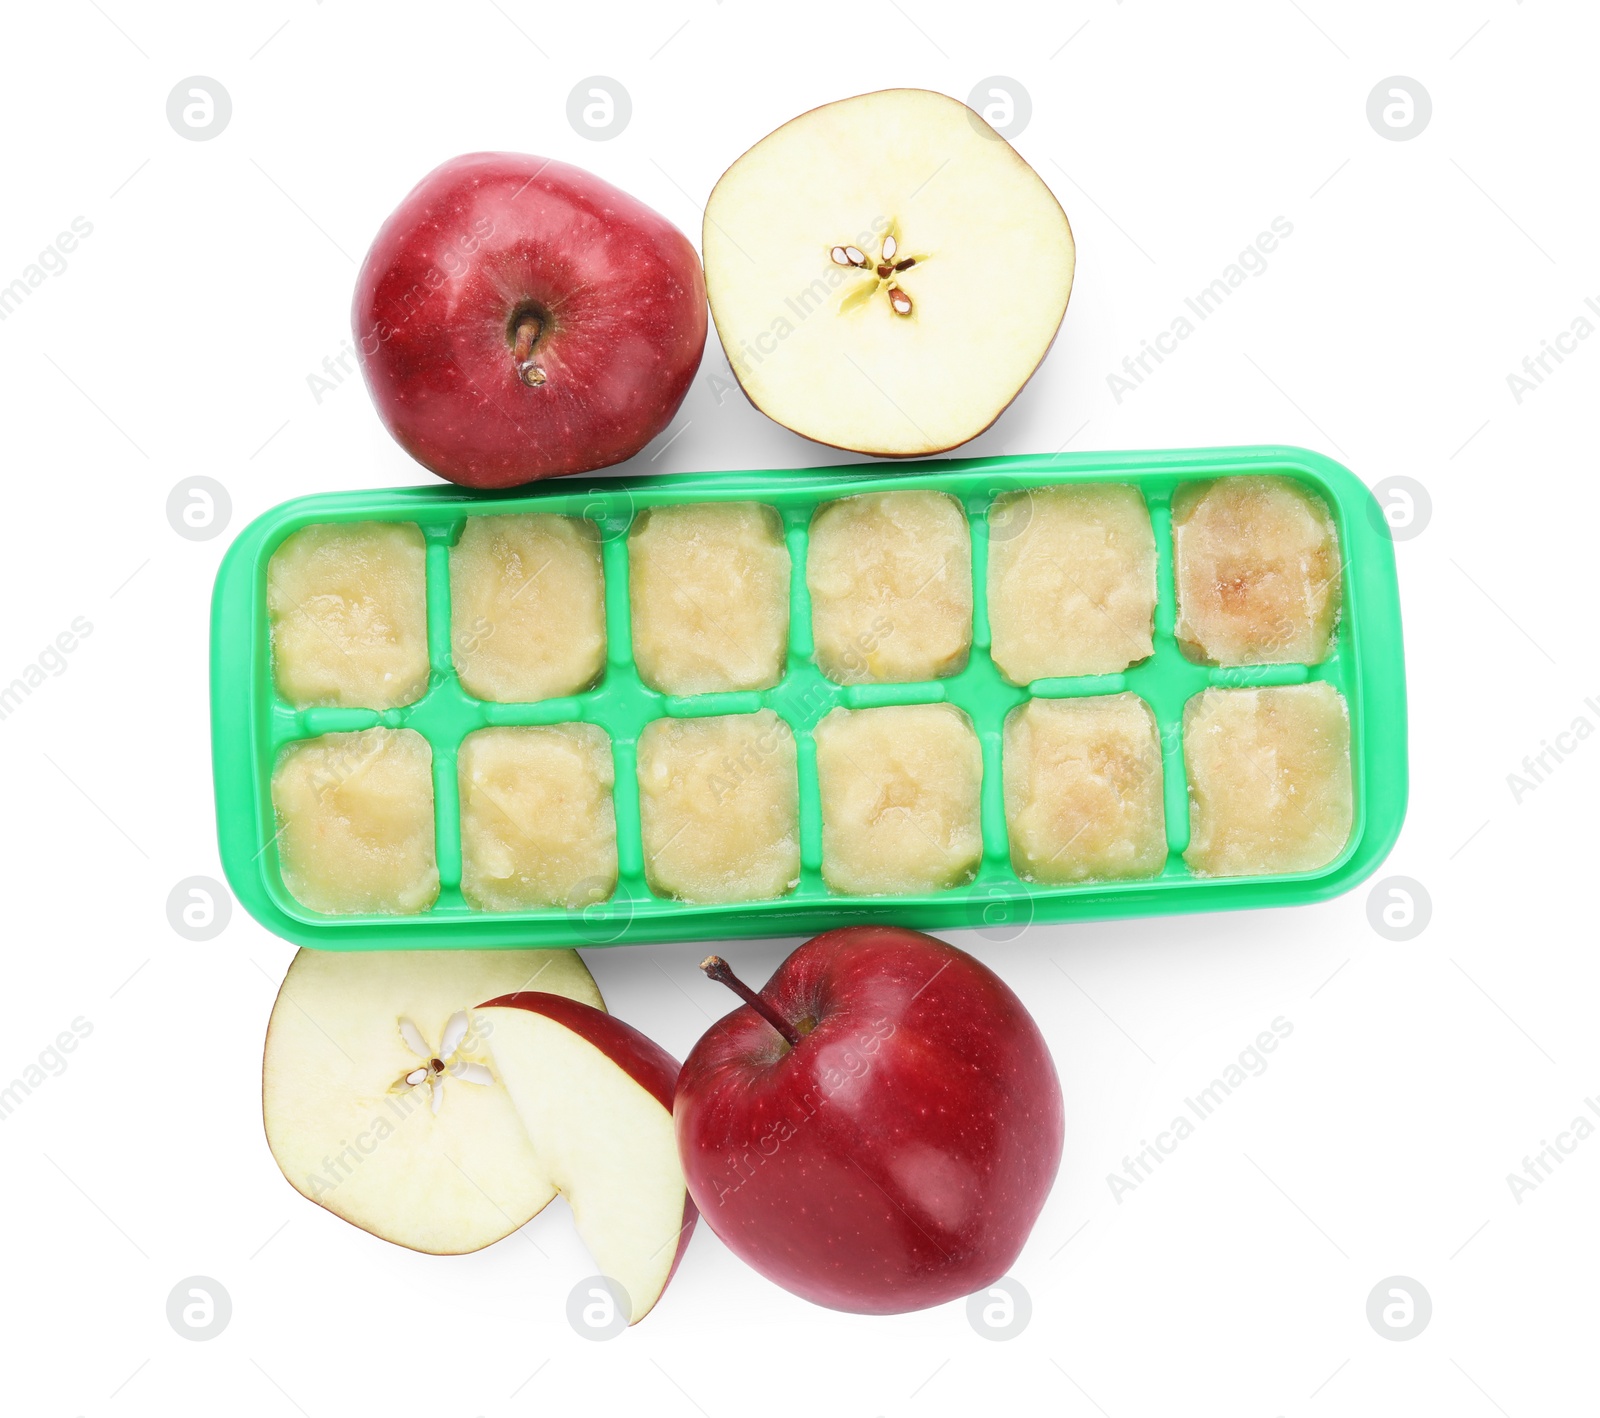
(878, 1129)
(518, 318)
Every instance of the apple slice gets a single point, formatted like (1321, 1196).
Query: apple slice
(886, 272)
(595, 1096)
(381, 1101)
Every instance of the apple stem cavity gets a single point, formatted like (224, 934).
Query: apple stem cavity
(719, 970)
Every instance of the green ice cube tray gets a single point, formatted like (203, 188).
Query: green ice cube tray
(251, 724)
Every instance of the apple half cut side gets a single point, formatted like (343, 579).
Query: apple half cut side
(382, 1103)
(595, 1096)
(886, 272)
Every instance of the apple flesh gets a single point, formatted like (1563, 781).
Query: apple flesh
(878, 1129)
(596, 1096)
(518, 318)
(381, 1100)
(885, 272)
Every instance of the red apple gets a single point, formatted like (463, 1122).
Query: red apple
(518, 318)
(878, 1129)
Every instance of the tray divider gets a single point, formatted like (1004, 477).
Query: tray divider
(801, 699)
(623, 706)
(625, 803)
(447, 822)
(989, 710)
(1166, 682)
(442, 730)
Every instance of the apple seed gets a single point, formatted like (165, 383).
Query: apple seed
(471, 1073)
(885, 270)
(455, 1030)
(432, 1073)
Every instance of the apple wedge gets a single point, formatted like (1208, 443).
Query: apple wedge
(885, 272)
(595, 1096)
(382, 1103)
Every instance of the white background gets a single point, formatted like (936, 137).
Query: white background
(178, 342)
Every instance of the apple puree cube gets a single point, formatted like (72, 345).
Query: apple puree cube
(1256, 560)
(537, 823)
(709, 588)
(719, 807)
(1269, 779)
(1072, 581)
(527, 607)
(900, 799)
(355, 822)
(890, 575)
(347, 602)
(1083, 789)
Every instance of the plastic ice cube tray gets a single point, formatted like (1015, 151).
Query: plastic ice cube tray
(251, 723)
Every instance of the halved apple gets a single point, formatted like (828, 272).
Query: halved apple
(886, 272)
(596, 1098)
(382, 1102)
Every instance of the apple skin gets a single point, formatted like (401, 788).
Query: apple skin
(637, 1055)
(618, 288)
(899, 1155)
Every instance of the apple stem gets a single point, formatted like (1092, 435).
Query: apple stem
(719, 970)
(527, 332)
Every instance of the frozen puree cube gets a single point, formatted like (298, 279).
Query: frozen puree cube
(537, 823)
(1269, 779)
(899, 799)
(890, 575)
(709, 588)
(1256, 561)
(1072, 581)
(527, 606)
(355, 822)
(348, 606)
(1083, 789)
(719, 807)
